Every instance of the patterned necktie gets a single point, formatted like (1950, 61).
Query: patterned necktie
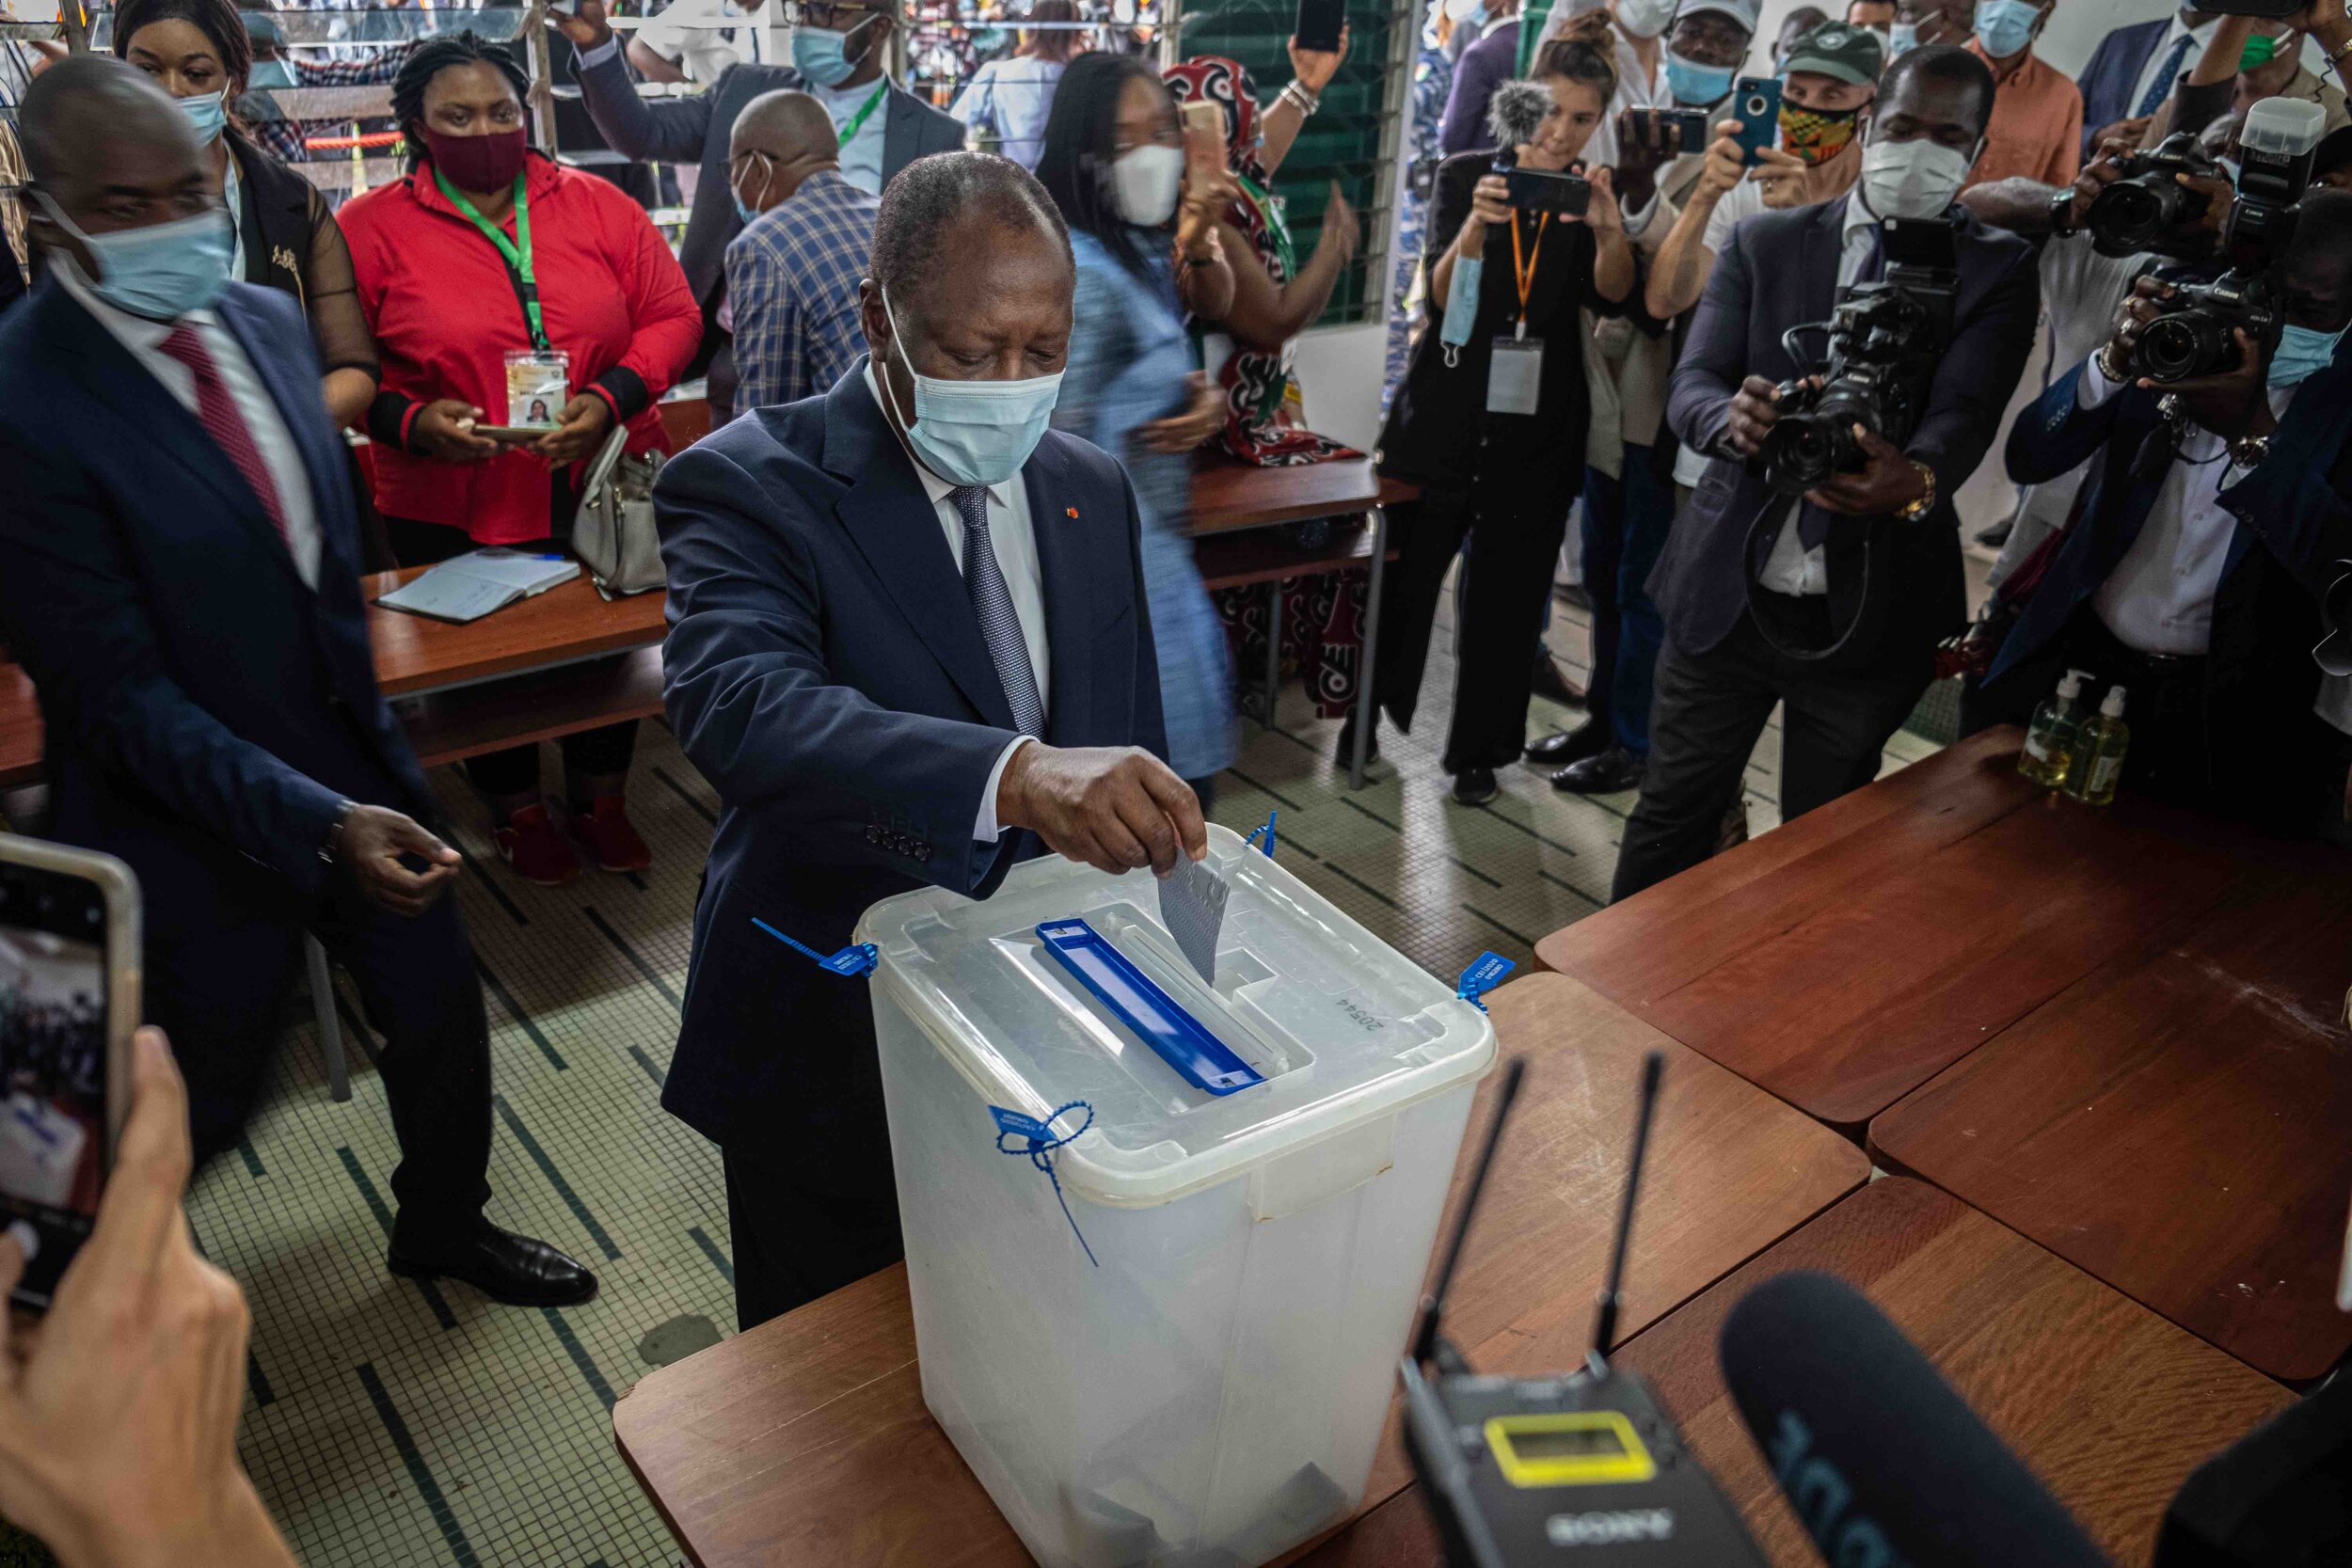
(2161, 87)
(1000, 623)
(216, 410)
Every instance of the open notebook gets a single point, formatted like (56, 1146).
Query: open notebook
(467, 587)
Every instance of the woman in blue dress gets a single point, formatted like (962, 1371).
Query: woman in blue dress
(1142, 229)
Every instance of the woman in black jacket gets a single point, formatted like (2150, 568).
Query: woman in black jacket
(199, 52)
(1505, 480)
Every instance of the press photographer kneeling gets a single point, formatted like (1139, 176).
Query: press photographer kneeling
(1833, 601)
(2216, 417)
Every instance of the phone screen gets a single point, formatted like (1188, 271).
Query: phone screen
(54, 1039)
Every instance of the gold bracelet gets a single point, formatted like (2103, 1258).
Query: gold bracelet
(1926, 503)
(2336, 55)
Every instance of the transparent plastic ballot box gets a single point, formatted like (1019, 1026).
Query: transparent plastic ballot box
(1169, 1338)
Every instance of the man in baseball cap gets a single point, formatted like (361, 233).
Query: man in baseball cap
(1705, 48)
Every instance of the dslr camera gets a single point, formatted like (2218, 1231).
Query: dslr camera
(1884, 339)
(2193, 337)
(2147, 207)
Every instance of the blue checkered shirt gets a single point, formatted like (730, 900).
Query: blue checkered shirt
(792, 281)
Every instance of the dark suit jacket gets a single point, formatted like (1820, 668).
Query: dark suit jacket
(206, 711)
(826, 673)
(695, 129)
(2114, 70)
(1780, 270)
(2294, 526)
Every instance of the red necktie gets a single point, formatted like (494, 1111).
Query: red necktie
(217, 408)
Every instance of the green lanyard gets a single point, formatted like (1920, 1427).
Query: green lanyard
(864, 111)
(515, 252)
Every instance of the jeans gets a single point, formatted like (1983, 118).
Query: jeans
(1625, 524)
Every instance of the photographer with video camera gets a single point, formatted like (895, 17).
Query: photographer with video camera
(1831, 602)
(1493, 415)
(2218, 421)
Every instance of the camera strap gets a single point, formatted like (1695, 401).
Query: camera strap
(1749, 566)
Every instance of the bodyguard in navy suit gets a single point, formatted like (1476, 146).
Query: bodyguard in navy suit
(2193, 572)
(2110, 83)
(179, 573)
(908, 645)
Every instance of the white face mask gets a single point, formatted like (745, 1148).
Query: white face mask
(1645, 18)
(1146, 183)
(1913, 179)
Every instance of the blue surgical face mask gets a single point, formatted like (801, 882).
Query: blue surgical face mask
(2302, 353)
(161, 272)
(975, 432)
(1695, 84)
(821, 55)
(209, 113)
(2006, 26)
(1901, 38)
(745, 210)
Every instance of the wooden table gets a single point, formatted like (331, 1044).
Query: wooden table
(806, 1440)
(2179, 1121)
(568, 625)
(1845, 959)
(2110, 1406)
(1232, 498)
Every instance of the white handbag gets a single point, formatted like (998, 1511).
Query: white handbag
(614, 532)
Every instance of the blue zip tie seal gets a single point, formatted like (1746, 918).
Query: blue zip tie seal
(857, 958)
(1268, 831)
(1481, 976)
(1037, 1142)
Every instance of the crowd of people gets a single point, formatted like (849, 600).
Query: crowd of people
(932, 599)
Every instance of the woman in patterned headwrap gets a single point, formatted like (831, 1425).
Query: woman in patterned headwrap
(1274, 299)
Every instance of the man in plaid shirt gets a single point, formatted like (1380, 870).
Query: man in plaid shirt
(792, 273)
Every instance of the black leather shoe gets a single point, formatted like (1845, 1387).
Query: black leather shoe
(1474, 786)
(1550, 685)
(1608, 773)
(1562, 746)
(505, 1267)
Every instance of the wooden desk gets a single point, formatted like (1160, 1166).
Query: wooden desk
(806, 1440)
(1230, 497)
(2179, 1121)
(2110, 1405)
(559, 644)
(1898, 929)
(565, 625)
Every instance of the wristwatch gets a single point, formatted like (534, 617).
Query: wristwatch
(2064, 220)
(1926, 503)
(2249, 451)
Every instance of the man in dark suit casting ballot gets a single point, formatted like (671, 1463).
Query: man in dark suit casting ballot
(908, 645)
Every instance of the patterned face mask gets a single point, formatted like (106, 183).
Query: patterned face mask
(1816, 136)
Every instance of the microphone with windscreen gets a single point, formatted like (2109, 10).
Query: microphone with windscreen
(1883, 1461)
(1514, 114)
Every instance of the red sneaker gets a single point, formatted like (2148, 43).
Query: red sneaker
(532, 845)
(604, 831)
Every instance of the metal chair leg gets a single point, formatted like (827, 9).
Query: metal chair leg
(330, 1028)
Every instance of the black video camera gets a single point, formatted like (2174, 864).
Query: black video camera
(1884, 339)
(2194, 336)
(2147, 208)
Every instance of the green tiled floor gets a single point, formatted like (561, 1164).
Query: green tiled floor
(390, 1424)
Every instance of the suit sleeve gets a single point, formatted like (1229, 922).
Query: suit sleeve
(2103, 63)
(1714, 356)
(672, 131)
(2056, 434)
(76, 611)
(754, 703)
(2295, 503)
(1973, 381)
(1151, 730)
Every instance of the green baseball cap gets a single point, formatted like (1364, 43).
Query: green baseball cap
(1839, 50)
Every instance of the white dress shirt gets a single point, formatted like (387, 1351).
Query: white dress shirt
(143, 338)
(1636, 90)
(1014, 538)
(1791, 568)
(2159, 597)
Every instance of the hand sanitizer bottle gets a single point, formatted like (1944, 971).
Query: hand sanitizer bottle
(2050, 741)
(2098, 747)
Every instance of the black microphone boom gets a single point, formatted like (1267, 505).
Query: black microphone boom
(1883, 1461)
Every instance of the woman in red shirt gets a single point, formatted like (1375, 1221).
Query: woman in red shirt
(488, 253)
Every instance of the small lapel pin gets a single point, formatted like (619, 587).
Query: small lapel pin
(1071, 510)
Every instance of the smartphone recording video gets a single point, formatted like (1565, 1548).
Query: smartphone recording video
(68, 999)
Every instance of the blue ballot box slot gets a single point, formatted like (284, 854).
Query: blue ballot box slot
(1155, 1018)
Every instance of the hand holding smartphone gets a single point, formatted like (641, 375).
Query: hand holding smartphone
(69, 1002)
(1756, 104)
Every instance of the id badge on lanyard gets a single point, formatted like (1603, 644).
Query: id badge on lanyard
(1515, 376)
